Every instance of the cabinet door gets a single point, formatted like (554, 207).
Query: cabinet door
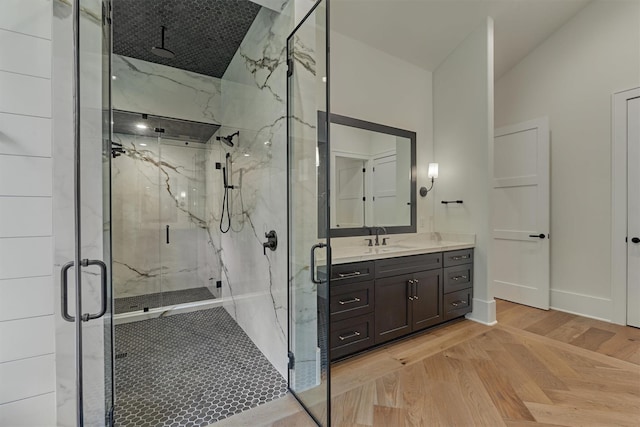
(426, 293)
(393, 316)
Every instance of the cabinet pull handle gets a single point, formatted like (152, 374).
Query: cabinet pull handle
(410, 298)
(459, 257)
(345, 275)
(351, 335)
(348, 301)
(456, 278)
(460, 302)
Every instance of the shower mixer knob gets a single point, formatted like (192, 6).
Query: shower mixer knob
(271, 243)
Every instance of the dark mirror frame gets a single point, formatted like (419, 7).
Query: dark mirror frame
(322, 179)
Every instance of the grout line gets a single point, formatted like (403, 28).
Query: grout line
(28, 317)
(27, 358)
(25, 34)
(25, 277)
(25, 155)
(27, 398)
(23, 196)
(26, 115)
(43, 236)
(15, 73)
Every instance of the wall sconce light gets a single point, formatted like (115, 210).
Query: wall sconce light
(433, 174)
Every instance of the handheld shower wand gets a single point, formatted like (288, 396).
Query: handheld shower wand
(225, 198)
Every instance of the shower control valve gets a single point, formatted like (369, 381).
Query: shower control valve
(271, 243)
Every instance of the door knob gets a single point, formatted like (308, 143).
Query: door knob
(540, 236)
(635, 239)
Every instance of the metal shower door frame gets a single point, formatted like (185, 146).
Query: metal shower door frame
(79, 262)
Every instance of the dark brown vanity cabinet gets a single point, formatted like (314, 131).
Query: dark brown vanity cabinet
(374, 302)
(458, 283)
(408, 302)
(351, 306)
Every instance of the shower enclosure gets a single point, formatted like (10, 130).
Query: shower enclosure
(164, 253)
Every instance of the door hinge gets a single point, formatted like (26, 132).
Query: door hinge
(292, 360)
(109, 419)
(289, 68)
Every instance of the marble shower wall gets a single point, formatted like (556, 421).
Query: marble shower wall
(145, 87)
(254, 100)
(155, 185)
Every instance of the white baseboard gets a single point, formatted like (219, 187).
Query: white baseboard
(483, 312)
(582, 305)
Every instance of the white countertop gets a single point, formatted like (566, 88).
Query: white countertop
(354, 249)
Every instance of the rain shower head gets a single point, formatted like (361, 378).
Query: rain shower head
(228, 139)
(162, 51)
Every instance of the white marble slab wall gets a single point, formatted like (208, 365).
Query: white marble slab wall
(254, 100)
(145, 87)
(156, 183)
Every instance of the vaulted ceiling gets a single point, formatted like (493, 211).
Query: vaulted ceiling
(425, 32)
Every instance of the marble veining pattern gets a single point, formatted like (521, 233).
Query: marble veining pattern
(156, 89)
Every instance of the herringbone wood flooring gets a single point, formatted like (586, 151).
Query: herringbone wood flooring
(534, 368)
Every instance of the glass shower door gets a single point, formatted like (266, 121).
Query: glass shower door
(84, 346)
(182, 222)
(309, 256)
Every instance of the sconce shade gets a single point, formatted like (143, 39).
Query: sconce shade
(433, 170)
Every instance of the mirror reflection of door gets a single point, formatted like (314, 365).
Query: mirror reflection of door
(350, 191)
(384, 190)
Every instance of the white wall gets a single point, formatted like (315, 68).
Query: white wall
(371, 85)
(463, 136)
(27, 338)
(571, 78)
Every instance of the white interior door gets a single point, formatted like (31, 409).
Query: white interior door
(520, 219)
(633, 214)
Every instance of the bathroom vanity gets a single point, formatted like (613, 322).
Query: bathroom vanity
(394, 291)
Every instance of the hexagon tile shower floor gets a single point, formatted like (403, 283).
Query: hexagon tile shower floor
(189, 370)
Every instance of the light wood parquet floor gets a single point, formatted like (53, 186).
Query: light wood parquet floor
(535, 368)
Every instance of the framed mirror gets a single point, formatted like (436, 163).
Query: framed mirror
(373, 177)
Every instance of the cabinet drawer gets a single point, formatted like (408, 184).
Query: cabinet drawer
(464, 256)
(457, 303)
(351, 335)
(407, 264)
(351, 273)
(351, 300)
(458, 277)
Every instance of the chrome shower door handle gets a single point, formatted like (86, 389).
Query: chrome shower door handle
(64, 283)
(312, 264)
(103, 288)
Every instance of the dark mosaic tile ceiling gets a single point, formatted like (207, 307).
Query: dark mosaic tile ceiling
(203, 34)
